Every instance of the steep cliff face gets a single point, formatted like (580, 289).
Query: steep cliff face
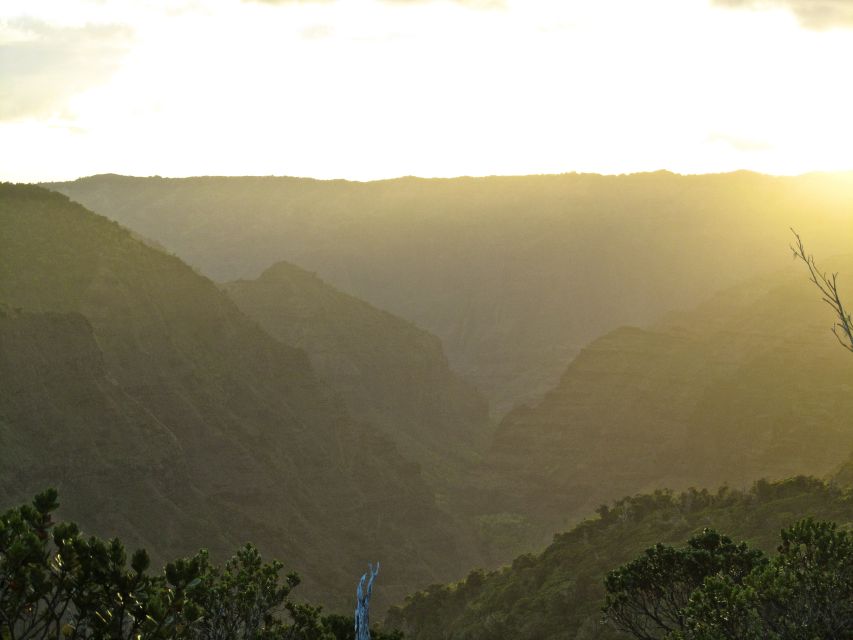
(389, 372)
(749, 385)
(221, 423)
(514, 274)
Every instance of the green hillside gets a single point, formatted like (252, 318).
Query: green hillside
(171, 419)
(514, 274)
(750, 384)
(389, 372)
(558, 594)
(65, 422)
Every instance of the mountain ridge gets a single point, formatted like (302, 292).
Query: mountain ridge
(749, 384)
(541, 265)
(265, 451)
(389, 372)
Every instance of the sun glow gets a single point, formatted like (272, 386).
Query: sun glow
(368, 89)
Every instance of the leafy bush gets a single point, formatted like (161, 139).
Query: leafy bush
(56, 583)
(715, 590)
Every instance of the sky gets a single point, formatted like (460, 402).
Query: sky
(372, 89)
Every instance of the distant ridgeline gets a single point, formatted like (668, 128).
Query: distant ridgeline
(514, 274)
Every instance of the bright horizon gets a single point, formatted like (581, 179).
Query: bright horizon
(378, 89)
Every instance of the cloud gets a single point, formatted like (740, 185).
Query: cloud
(812, 14)
(290, 1)
(740, 144)
(317, 32)
(472, 4)
(42, 65)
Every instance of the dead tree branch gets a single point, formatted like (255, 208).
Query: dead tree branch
(828, 285)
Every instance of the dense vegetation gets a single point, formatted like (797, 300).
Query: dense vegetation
(560, 592)
(713, 589)
(57, 583)
(539, 265)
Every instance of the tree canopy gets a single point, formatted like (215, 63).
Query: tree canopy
(715, 590)
(57, 583)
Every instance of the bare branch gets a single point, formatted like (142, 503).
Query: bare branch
(828, 286)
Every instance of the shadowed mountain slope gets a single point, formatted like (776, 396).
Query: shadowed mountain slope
(750, 384)
(514, 274)
(389, 372)
(169, 418)
(65, 423)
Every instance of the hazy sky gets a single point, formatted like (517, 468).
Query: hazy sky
(367, 89)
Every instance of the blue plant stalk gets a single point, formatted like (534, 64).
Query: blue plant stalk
(362, 607)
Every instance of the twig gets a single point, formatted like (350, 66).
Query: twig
(828, 286)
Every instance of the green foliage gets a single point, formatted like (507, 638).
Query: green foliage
(559, 593)
(803, 593)
(56, 583)
(343, 628)
(647, 596)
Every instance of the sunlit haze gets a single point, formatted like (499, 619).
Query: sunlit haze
(367, 89)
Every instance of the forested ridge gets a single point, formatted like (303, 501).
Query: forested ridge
(560, 592)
